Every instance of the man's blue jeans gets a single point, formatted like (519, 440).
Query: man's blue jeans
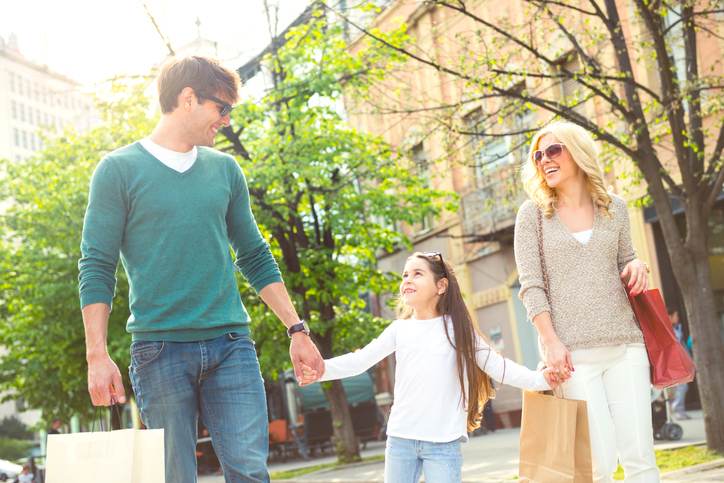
(217, 379)
(406, 459)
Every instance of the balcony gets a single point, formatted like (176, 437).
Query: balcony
(493, 205)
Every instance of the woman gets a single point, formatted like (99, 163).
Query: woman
(576, 297)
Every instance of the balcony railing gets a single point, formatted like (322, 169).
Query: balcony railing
(493, 205)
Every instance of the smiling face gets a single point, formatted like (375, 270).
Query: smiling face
(556, 167)
(418, 288)
(206, 120)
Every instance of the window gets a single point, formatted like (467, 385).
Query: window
(15, 109)
(12, 82)
(490, 157)
(25, 139)
(30, 115)
(520, 143)
(20, 85)
(22, 112)
(422, 166)
(675, 37)
(16, 135)
(570, 90)
(489, 153)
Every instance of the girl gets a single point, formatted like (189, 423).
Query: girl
(440, 386)
(575, 297)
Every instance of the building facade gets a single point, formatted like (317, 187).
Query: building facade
(35, 102)
(408, 110)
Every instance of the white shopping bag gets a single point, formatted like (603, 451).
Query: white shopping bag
(123, 456)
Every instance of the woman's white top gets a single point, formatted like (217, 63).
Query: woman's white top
(583, 236)
(428, 401)
(180, 162)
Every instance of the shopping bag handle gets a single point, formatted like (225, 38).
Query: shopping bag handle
(100, 419)
(558, 392)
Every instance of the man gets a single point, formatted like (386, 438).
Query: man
(55, 426)
(678, 405)
(170, 207)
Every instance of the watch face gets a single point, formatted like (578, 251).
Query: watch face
(301, 326)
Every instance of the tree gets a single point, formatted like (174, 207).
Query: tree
(326, 195)
(657, 101)
(46, 197)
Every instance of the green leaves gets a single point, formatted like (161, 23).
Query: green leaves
(41, 327)
(325, 193)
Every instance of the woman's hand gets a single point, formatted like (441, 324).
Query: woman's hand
(635, 276)
(558, 358)
(552, 377)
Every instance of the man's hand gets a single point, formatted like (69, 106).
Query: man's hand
(303, 352)
(105, 385)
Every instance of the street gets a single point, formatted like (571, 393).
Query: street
(489, 458)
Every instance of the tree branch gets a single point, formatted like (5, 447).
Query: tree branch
(670, 90)
(696, 156)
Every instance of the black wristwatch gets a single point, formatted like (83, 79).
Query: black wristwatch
(299, 327)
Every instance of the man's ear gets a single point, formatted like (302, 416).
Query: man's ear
(186, 98)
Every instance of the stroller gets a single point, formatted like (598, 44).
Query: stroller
(664, 427)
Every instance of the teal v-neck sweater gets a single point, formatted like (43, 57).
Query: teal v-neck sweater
(173, 231)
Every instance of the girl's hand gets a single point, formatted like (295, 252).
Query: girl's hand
(309, 375)
(558, 358)
(635, 276)
(552, 377)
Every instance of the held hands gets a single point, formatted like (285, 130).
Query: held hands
(553, 378)
(105, 385)
(558, 362)
(309, 375)
(304, 354)
(635, 276)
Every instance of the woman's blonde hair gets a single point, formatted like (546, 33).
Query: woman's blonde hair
(582, 149)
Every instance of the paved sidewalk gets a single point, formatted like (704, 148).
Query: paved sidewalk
(712, 471)
(487, 459)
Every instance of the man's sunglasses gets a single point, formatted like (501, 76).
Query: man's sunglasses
(439, 255)
(552, 151)
(224, 107)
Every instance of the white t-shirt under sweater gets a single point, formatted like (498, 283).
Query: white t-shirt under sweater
(583, 236)
(428, 401)
(180, 162)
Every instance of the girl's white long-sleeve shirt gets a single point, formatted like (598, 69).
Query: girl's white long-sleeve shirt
(428, 403)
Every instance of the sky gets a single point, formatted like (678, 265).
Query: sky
(94, 40)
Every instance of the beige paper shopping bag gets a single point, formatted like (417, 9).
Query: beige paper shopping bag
(123, 456)
(555, 445)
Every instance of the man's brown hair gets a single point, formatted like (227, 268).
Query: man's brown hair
(204, 75)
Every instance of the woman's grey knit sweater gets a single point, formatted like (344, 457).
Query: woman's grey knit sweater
(588, 303)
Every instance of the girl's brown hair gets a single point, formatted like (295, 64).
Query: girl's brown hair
(475, 385)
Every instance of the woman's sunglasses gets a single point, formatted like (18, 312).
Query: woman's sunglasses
(439, 255)
(551, 151)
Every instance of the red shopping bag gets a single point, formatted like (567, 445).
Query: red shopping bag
(670, 363)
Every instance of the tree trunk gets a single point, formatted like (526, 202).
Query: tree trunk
(693, 277)
(345, 441)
